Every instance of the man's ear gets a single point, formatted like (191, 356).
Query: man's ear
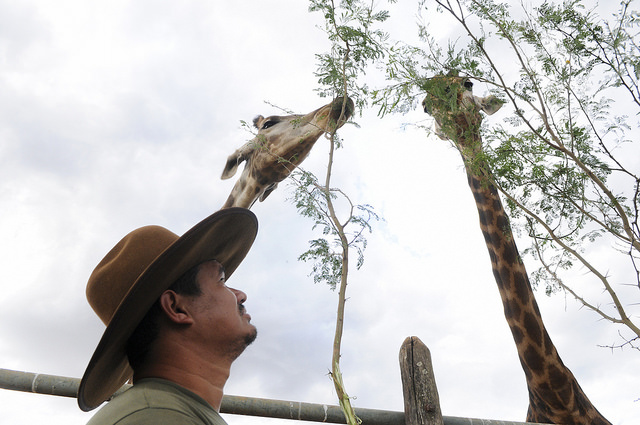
(175, 308)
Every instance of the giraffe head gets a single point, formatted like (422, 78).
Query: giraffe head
(450, 101)
(282, 143)
(323, 120)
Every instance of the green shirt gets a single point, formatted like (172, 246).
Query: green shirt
(157, 402)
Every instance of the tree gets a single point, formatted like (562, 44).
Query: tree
(349, 27)
(565, 159)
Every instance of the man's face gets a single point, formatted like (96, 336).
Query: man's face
(221, 321)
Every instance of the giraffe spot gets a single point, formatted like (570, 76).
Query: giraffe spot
(474, 182)
(483, 219)
(510, 253)
(543, 389)
(502, 278)
(487, 237)
(532, 328)
(492, 254)
(477, 196)
(523, 289)
(518, 336)
(563, 418)
(527, 373)
(557, 405)
(540, 411)
(515, 310)
(550, 398)
(503, 286)
(557, 376)
(502, 221)
(505, 272)
(533, 360)
(488, 217)
(565, 395)
(494, 239)
(497, 205)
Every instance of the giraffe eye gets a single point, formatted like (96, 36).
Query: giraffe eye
(268, 124)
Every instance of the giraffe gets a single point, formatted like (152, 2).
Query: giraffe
(554, 393)
(282, 143)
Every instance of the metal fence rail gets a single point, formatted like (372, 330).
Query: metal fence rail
(237, 405)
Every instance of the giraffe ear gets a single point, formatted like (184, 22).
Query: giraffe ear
(489, 104)
(231, 166)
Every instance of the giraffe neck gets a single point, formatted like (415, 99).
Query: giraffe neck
(554, 394)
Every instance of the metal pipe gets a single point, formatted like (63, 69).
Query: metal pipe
(236, 405)
(39, 383)
(312, 412)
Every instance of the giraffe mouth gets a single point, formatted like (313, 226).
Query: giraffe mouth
(335, 117)
(336, 109)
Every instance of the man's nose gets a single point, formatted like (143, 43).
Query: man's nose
(241, 296)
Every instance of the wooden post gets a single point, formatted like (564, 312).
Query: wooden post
(421, 401)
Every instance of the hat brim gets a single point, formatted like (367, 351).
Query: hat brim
(225, 236)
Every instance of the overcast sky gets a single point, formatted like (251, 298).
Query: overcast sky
(118, 114)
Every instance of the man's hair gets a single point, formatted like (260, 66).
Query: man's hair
(143, 336)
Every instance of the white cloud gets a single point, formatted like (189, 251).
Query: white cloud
(120, 114)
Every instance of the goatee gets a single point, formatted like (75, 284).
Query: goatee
(238, 348)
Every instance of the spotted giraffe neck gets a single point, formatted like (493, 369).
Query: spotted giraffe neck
(554, 393)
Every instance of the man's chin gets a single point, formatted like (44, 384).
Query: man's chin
(234, 350)
(251, 336)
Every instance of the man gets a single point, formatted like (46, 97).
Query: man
(172, 322)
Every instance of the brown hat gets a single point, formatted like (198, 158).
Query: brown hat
(134, 274)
